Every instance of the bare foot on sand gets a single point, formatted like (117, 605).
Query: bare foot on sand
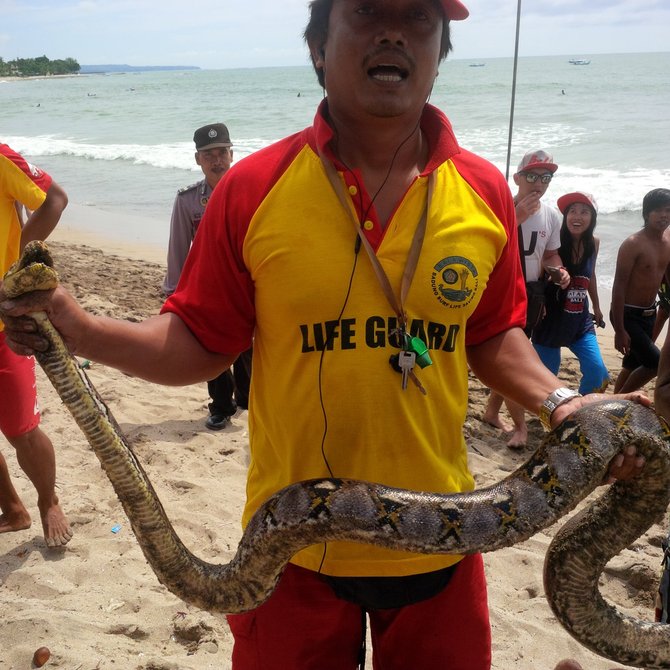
(57, 531)
(518, 439)
(13, 521)
(495, 421)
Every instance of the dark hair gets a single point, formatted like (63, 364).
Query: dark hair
(565, 250)
(316, 32)
(659, 197)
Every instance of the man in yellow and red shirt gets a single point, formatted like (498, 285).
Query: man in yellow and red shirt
(24, 184)
(341, 251)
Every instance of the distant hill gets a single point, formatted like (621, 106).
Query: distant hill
(93, 69)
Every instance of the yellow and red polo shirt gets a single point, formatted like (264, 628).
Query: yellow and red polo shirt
(19, 182)
(274, 260)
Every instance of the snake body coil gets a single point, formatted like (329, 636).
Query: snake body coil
(569, 464)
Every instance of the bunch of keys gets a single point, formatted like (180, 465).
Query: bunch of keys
(414, 351)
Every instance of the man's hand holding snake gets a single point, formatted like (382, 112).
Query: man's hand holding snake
(21, 332)
(625, 465)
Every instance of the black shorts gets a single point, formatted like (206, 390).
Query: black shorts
(639, 324)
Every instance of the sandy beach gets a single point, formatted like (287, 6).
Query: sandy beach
(96, 604)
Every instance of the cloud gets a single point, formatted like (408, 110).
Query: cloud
(218, 34)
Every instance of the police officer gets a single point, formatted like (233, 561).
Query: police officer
(214, 154)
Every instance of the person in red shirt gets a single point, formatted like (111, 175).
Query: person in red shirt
(23, 184)
(340, 251)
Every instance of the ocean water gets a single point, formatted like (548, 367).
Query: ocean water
(122, 143)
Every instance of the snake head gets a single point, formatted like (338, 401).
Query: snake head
(35, 252)
(34, 271)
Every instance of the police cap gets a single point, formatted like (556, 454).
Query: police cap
(211, 136)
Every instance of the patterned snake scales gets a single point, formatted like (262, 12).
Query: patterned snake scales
(569, 464)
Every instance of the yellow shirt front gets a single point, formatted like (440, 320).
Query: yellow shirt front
(278, 262)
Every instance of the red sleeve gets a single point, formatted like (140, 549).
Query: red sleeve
(215, 294)
(39, 177)
(503, 303)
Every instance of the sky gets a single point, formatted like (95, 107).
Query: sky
(216, 34)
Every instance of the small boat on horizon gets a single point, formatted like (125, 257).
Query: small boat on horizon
(477, 64)
(579, 61)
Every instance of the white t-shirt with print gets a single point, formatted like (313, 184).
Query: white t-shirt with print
(541, 231)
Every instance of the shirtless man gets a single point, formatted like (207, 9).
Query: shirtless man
(641, 264)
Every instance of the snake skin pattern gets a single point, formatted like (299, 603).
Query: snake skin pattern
(569, 464)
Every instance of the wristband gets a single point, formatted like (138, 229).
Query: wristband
(555, 399)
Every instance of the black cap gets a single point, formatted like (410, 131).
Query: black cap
(659, 197)
(211, 136)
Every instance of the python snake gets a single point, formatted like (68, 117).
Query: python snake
(569, 464)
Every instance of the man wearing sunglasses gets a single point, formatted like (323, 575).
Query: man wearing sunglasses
(539, 227)
(540, 224)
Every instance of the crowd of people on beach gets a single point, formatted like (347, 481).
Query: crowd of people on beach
(559, 251)
(370, 263)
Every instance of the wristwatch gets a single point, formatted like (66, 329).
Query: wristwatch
(554, 400)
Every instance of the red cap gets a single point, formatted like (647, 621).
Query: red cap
(537, 160)
(578, 196)
(455, 10)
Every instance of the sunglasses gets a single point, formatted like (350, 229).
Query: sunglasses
(532, 177)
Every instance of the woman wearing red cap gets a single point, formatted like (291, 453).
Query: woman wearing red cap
(568, 321)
